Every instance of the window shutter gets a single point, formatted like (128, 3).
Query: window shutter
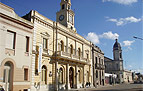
(9, 40)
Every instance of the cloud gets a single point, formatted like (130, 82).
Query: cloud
(128, 43)
(139, 70)
(109, 35)
(124, 2)
(124, 21)
(93, 37)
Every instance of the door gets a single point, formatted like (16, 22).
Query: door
(71, 77)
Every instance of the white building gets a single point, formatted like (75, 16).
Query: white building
(15, 49)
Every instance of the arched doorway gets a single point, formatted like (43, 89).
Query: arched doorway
(71, 77)
(44, 75)
(8, 76)
(61, 76)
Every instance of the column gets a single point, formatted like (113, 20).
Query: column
(48, 46)
(56, 76)
(67, 76)
(66, 44)
(76, 73)
(83, 78)
(33, 60)
(75, 47)
(82, 51)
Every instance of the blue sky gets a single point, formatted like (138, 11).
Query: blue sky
(100, 21)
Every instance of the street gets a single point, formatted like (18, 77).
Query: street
(122, 87)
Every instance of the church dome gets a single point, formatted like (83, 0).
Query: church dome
(117, 45)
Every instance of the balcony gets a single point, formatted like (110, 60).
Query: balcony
(99, 66)
(69, 56)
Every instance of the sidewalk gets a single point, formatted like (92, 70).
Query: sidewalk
(92, 88)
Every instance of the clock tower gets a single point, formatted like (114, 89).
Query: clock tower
(66, 16)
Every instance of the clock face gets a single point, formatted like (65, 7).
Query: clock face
(61, 17)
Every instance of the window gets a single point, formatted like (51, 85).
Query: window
(96, 60)
(79, 52)
(44, 74)
(99, 61)
(10, 39)
(27, 44)
(96, 74)
(62, 46)
(71, 49)
(45, 43)
(87, 56)
(61, 78)
(25, 90)
(26, 74)
(63, 6)
(79, 76)
(120, 55)
(69, 7)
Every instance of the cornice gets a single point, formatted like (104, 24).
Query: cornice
(17, 21)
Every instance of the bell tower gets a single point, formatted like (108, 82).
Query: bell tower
(66, 16)
(117, 51)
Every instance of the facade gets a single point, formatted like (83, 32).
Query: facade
(98, 66)
(61, 58)
(115, 66)
(15, 45)
(127, 76)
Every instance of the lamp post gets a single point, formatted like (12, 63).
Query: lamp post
(137, 38)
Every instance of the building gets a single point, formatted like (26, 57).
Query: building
(16, 49)
(98, 66)
(61, 58)
(115, 66)
(127, 76)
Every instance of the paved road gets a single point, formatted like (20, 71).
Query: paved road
(122, 87)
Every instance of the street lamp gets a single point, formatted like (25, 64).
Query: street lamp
(137, 38)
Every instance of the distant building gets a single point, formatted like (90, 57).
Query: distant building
(127, 76)
(98, 66)
(15, 50)
(115, 66)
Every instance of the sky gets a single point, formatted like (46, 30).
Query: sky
(99, 21)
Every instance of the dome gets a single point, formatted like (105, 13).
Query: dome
(117, 45)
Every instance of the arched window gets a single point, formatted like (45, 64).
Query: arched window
(61, 75)
(96, 60)
(120, 55)
(87, 56)
(8, 75)
(44, 75)
(79, 76)
(62, 46)
(63, 6)
(71, 49)
(79, 52)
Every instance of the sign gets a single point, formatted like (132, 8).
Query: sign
(40, 58)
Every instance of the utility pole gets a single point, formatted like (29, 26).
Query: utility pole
(137, 38)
